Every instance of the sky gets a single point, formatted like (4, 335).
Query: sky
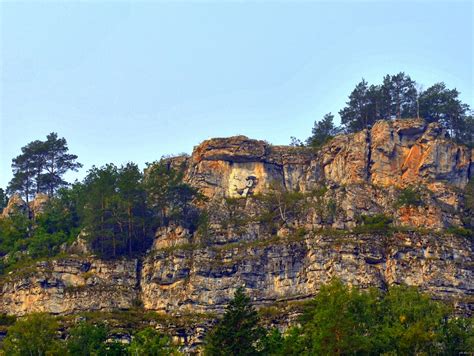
(133, 81)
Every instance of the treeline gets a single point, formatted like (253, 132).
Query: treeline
(117, 209)
(37, 335)
(347, 321)
(338, 321)
(398, 96)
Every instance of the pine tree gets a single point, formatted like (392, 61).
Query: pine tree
(439, 104)
(98, 216)
(57, 162)
(168, 196)
(355, 116)
(238, 332)
(323, 130)
(23, 181)
(41, 166)
(403, 96)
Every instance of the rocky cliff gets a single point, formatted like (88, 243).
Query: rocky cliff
(311, 236)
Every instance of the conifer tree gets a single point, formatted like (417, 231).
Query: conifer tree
(403, 96)
(322, 131)
(41, 167)
(238, 332)
(355, 116)
(57, 161)
(439, 104)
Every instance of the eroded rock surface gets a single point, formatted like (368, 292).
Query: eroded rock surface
(352, 177)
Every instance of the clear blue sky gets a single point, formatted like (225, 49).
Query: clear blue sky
(134, 81)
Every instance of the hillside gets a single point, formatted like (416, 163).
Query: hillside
(375, 208)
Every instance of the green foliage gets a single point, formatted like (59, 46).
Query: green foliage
(410, 322)
(114, 212)
(322, 131)
(14, 233)
(374, 223)
(169, 197)
(409, 196)
(271, 343)
(149, 342)
(403, 321)
(41, 166)
(56, 225)
(3, 200)
(358, 113)
(35, 334)
(338, 321)
(469, 196)
(397, 97)
(439, 104)
(7, 320)
(465, 131)
(87, 339)
(400, 94)
(238, 332)
(460, 231)
(280, 205)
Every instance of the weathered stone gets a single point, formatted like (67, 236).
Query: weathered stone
(16, 205)
(351, 177)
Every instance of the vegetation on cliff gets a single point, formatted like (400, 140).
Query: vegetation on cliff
(398, 96)
(340, 320)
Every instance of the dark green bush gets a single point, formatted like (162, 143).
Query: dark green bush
(374, 223)
(410, 196)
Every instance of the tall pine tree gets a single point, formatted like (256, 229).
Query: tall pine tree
(238, 332)
(57, 162)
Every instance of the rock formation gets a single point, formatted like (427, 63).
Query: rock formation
(351, 177)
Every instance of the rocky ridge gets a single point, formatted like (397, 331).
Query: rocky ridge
(351, 177)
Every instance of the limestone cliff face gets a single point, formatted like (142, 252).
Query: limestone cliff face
(393, 153)
(286, 269)
(391, 156)
(70, 285)
(351, 177)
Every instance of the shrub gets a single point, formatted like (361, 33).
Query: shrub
(374, 223)
(461, 231)
(410, 196)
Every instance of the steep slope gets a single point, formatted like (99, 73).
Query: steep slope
(304, 242)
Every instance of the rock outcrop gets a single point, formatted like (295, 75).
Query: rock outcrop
(287, 259)
(16, 205)
(70, 285)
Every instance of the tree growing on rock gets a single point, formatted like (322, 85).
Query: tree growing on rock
(169, 197)
(323, 131)
(41, 166)
(57, 161)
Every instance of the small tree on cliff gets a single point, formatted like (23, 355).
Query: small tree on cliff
(238, 332)
(323, 130)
